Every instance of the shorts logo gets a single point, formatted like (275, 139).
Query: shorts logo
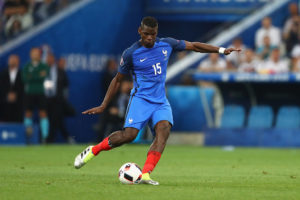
(130, 120)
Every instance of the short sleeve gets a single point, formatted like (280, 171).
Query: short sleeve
(125, 63)
(177, 45)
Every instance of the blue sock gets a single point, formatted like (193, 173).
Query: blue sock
(44, 124)
(27, 122)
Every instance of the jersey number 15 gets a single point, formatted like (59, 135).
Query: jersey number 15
(157, 68)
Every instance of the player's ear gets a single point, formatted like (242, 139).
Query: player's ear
(140, 30)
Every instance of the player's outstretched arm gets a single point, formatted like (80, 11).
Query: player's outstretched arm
(207, 48)
(112, 90)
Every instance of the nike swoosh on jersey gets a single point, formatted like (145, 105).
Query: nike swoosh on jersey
(142, 60)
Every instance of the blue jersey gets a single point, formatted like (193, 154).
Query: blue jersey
(148, 67)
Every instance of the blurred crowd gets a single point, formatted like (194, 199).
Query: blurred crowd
(42, 85)
(277, 50)
(18, 16)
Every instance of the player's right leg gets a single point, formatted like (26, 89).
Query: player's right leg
(116, 139)
(138, 113)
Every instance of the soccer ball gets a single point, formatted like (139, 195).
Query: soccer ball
(130, 173)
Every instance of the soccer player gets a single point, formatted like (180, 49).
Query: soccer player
(146, 60)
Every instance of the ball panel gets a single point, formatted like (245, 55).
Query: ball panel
(128, 177)
(127, 167)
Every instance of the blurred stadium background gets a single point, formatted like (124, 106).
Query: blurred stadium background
(247, 99)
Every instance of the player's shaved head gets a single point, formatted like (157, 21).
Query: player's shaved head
(149, 21)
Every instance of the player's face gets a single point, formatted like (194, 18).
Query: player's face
(148, 35)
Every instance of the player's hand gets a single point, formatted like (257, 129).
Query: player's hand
(229, 50)
(95, 110)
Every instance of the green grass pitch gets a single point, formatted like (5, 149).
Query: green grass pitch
(184, 172)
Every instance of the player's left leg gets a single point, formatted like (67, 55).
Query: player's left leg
(114, 140)
(162, 120)
(138, 113)
(162, 130)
